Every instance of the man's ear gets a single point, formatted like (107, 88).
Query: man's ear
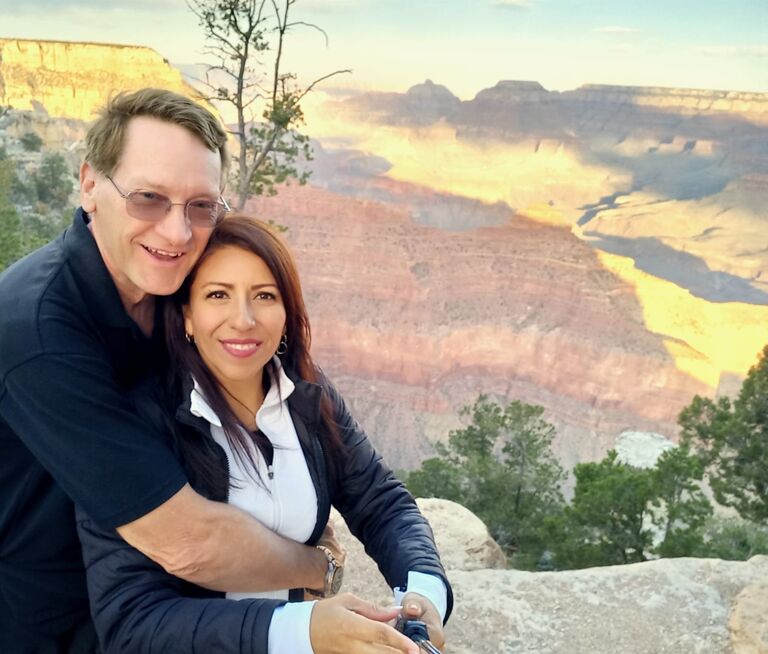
(88, 187)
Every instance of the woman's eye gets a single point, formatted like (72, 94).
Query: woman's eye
(265, 295)
(216, 295)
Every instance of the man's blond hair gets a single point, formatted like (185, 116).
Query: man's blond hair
(105, 139)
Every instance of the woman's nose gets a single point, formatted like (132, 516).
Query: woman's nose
(245, 317)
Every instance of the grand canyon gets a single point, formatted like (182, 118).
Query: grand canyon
(600, 252)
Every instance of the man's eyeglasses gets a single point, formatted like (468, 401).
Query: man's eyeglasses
(151, 206)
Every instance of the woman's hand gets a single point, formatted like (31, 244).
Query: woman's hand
(418, 607)
(345, 624)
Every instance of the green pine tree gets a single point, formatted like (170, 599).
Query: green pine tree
(501, 468)
(731, 438)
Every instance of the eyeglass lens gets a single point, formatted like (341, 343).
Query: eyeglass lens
(153, 206)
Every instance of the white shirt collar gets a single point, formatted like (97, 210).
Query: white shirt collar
(276, 396)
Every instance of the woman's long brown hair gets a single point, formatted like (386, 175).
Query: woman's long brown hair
(253, 236)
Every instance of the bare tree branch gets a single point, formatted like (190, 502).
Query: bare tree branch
(322, 79)
(313, 26)
(247, 40)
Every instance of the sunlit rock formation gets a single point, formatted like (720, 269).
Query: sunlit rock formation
(71, 80)
(669, 186)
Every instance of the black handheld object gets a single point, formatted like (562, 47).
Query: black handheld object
(416, 630)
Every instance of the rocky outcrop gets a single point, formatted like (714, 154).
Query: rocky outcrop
(641, 449)
(685, 101)
(430, 102)
(681, 606)
(72, 80)
(422, 104)
(461, 537)
(749, 619)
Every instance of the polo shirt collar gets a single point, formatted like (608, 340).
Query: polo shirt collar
(92, 275)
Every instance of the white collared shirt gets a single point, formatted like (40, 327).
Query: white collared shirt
(286, 504)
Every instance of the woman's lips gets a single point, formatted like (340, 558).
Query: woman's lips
(241, 348)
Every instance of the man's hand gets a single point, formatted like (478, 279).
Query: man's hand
(345, 624)
(418, 607)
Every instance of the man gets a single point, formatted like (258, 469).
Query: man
(77, 337)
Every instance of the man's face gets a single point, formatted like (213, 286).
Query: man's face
(151, 258)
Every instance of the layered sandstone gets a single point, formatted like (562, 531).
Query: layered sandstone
(752, 106)
(667, 185)
(414, 322)
(71, 80)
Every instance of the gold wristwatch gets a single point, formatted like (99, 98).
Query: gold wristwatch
(333, 575)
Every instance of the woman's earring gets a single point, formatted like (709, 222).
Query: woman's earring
(282, 348)
(190, 338)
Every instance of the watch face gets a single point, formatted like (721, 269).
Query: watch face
(338, 576)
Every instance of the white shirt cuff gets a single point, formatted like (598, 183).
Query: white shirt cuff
(289, 629)
(428, 586)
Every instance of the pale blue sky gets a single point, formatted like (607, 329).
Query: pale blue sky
(467, 45)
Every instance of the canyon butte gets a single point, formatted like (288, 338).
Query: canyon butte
(600, 252)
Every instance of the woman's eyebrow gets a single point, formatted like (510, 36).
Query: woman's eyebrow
(228, 285)
(224, 284)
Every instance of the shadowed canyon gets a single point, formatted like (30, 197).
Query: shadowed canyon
(601, 252)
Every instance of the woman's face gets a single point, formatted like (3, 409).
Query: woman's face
(236, 315)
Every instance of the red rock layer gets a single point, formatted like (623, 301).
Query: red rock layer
(414, 322)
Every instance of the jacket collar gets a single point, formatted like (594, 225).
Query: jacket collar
(92, 275)
(277, 394)
(303, 399)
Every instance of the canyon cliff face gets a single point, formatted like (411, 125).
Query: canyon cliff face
(72, 80)
(413, 322)
(600, 252)
(648, 173)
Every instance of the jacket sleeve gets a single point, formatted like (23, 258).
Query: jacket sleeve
(378, 509)
(138, 608)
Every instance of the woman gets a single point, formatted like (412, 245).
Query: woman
(259, 426)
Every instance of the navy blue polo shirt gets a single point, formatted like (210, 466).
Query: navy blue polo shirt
(70, 362)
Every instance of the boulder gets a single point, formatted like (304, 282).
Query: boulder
(641, 449)
(749, 620)
(462, 538)
(674, 606)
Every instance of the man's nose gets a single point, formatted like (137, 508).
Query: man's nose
(175, 227)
